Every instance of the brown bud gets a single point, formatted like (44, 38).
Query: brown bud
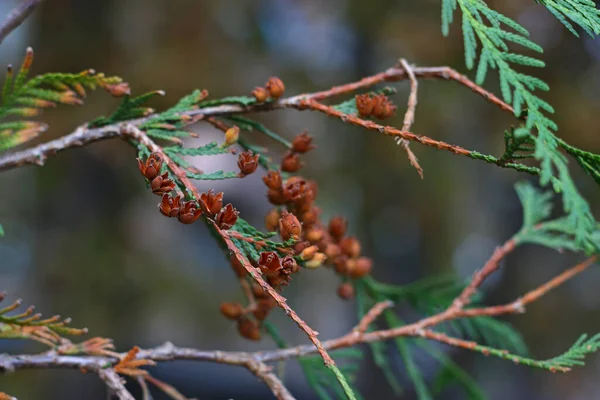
(317, 260)
(314, 235)
(302, 143)
(227, 217)
(272, 219)
(296, 190)
(258, 291)
(350, 246)
(237, 266)
(260, 94)
(118, 90)
(189, 212)
(272, 180)
(276, 197)
(308, 253)
(345, 291)
(332, 251)
(382, 107)
(270, 260)
(359, 267)
(151, 168)
(211, 203)
(310, 217)
(289, 226)
(364, 105)
(289, 265)
(247, 162)
(249, 329)
(341, 265)
(337, 227)
(232, 135)
(162, 184)
(169, 206)
(231, 310)
(291, 162)
(275, 87)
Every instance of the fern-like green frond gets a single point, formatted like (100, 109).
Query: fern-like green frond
(23, 98)
(29, 325)
(581, 12)
(493, 31)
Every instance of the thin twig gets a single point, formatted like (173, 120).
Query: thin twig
(115, 383)
(409, 116)
(17, 16)
(83, 135)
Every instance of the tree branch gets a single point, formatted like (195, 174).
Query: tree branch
(83, 135)
(17, 16)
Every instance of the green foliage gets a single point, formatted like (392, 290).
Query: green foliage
(28, 325)
(582, 12)
(130, 108)
(494, 31)
(1, 231)
(22, 98)
(559, 233)
(238, 100)
(438, 292)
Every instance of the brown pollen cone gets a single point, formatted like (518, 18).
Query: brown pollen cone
(273, 180)
(249, 329)
(275, 87)
(151, 168)
(189, 212)
(231, 310)
(302, 143)
(291, 162)
(211, 203)
(260, 94)
(162, 184)
(289, 226)
(364, 105)
(169, 206)
(345, 291)
(247, 163)
(337, 227)
(227, 217)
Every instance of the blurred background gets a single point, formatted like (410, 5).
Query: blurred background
(84, 238)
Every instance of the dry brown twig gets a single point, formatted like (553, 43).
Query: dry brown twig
(16, 17)
(409, 116)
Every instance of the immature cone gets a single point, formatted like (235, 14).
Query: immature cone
(247, 162)
(273, 180)
(317, 260)
(211, 203)
(345, 291)
(169, 206)
(269, 260)
(275, 87)
(249, 329)
(291, 162)
(162, 184)
(364, 105)
(227, 217)
(151, 167)
(308, 253)
(302, 143)
(337, 227)
(231, 310)
(189, 212)
(383, 107)
(232, 135)
(359, 267)
(289, 226)
(272, 219)
(350, 246)
(260, 94)
(118, 90)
